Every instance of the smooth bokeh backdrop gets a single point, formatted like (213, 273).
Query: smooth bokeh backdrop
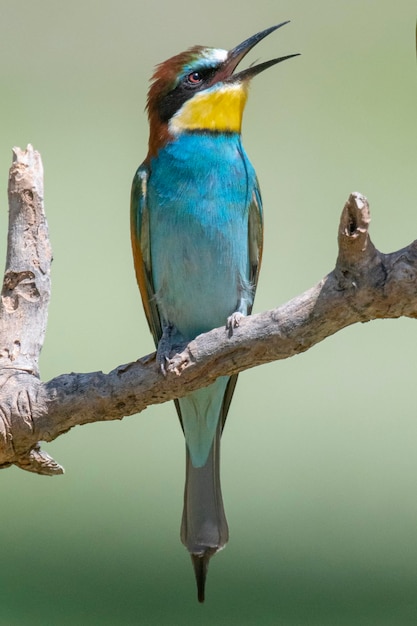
(319, 453)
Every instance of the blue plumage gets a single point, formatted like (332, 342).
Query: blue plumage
(196, 224)
(199, 193)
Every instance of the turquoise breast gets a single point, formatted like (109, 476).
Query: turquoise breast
(199, 192)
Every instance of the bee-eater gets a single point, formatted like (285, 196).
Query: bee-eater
(196, 227)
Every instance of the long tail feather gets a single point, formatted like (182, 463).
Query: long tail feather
(204, 529)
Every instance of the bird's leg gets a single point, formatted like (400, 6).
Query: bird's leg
(164, 348)
(171, 341)
(233, 321)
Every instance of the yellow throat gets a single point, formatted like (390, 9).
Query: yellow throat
(218, 110)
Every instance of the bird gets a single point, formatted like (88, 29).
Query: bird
(197, 235)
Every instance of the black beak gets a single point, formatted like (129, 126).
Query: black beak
(239, 52)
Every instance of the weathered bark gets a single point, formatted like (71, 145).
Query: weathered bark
(23, 316)
(365, 284)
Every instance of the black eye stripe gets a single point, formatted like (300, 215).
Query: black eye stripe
(185, 89)
(200, 76)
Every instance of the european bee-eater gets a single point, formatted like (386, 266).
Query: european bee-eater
(196, 226)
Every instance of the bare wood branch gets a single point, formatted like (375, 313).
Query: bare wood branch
(23, 315)
(365, 284)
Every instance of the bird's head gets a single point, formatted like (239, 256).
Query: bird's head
(199, 90)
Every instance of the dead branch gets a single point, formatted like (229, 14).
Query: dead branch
(365, 285)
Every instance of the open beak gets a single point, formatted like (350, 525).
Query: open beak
(235, 56)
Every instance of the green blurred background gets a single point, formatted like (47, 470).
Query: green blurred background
(319, 454)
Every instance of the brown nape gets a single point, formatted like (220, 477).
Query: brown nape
(166, 95)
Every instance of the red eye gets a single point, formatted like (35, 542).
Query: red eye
(194, 78)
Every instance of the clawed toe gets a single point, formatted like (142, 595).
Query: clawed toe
(233, 321)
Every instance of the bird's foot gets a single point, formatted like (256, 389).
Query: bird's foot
(180, 361)
(171, 342)
(233, 321)
(164, 348)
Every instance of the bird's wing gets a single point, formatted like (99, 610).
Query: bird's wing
(255, 237)
(139, 229)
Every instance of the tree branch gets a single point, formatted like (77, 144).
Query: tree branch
(23, 316)
(365, 284)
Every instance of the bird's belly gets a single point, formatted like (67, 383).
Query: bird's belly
(199, 277)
